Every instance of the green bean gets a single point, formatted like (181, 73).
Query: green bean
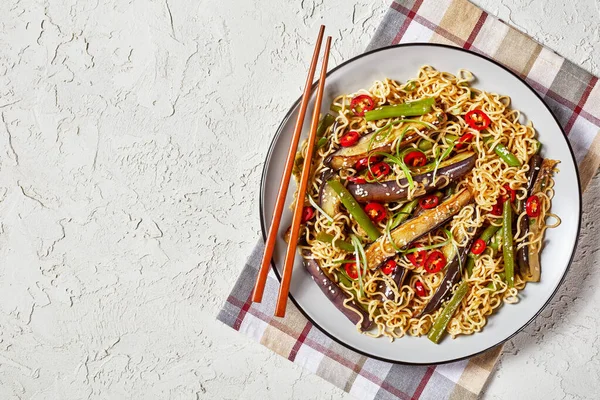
(355, 209)
(508, 250)
(502, 152)
(322, 142)
(489, 232)
(339, 243)
(538, 147)
(506, 155)
(410, 109)
(324, 124)
(344, 279)
(440, 323)
(404, 213)
(410, 86)
(451, 138)
(495, 244)
(470, 264)
(335, 108)
(424, 145)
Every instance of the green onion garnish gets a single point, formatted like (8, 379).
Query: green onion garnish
(316, 206)
(439, 160)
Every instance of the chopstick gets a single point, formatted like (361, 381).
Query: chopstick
(261, 279)
(290, 255)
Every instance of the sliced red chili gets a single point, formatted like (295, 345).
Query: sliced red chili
(351, 270)
(510, 194)
(532, 206)
(375, 211)
(478, 247)
(428, 202)
(349, 139)
(356, 179)
(389, 266)
(415, 159)
(418, 257)
(463, 141)
(497, 208)
(307, 213)
(420, 289)
(378, 170)
(361, 104)
(435, 262)
(365, 162)
(477, 120)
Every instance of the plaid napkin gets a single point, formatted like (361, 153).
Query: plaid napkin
(573, 95)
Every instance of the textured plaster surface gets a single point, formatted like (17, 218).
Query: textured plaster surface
(132, 136)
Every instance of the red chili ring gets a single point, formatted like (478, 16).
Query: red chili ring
(349, 139)
(428, 202)
(365, 102)
(389, 266)
(415, 159)
(532, 206)
(307, 213)
(376, 211)
(478, 246)
(477, 120)
(435, 262)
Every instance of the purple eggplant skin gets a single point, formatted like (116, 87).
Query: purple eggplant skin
(336, 294)
(329, 201)
(397, 276)
(451, 278)
(523, 252)
(392, 191)
(535, 163)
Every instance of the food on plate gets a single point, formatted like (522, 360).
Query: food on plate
(427, 206)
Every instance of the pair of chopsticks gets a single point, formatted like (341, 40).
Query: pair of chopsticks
(288, 266)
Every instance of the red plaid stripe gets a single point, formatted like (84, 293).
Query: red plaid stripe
(410, 14)
(423, 383)
(299, 341)
(476, 29)
(562, 101)
(243, 310)
(581, 103)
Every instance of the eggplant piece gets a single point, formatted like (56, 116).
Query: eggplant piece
(533, 270)
(523, 252)
(411, 230)
(535, 164)
(355, 313)
(454, 169)
(398, 277)
(329, 201)
(451, 278)
(346, 157)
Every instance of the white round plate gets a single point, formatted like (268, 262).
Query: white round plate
(402, 62)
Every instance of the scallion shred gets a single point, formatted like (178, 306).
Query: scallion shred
(316, 206)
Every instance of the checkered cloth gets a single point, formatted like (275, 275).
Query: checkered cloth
(573, 95)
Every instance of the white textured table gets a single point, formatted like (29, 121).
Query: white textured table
(133, 135)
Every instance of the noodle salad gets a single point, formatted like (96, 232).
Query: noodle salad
(427, 205)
